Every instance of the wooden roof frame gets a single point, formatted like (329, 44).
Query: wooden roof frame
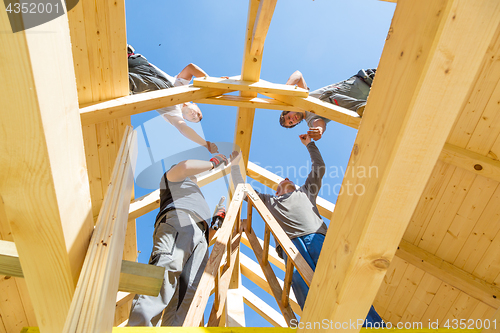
(401, 133)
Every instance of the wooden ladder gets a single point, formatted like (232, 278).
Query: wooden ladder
(219, 269)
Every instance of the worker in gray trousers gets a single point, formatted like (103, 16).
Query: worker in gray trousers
(180, 243)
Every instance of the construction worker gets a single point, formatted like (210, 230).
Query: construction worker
(350, 94)
(180, 244)
(294, 208)
(144, 77)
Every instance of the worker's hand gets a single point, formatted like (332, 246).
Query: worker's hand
(305, 139)
(212, 147)
(315, 133)
(235, 157)
(219, 159)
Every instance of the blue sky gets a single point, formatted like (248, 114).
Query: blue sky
(328, 41)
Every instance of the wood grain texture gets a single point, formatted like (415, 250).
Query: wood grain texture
(403, 143)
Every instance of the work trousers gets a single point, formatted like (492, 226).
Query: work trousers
(143, 77)
(179, 245)
(350, 94)
(309, 247)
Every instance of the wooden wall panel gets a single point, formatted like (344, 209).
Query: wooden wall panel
(466, 217)
(448, 205)
(404, 293)
(482, 235)
(479, 96)
(389, 286)
(423, 296)
(428, 203)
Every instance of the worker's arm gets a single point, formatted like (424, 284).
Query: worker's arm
(296, 79)
(188, 132)
(313, 181)
(191, 70)
(317, 129)
(190, 168)
(238, 179)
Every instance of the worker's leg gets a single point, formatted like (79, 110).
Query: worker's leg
(188, 281)
(143, 76)
(309, 247)
(172, 247)
(350, 94)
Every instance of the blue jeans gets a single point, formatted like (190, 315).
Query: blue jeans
(309, 247)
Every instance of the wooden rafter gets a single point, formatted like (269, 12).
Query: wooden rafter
(402, 135)
(471, 161)
(446, 272)
(248, 102)
(134, 277)
(251, 71)
(41, 164)
(92, 307)
(261, 87)
(134, 104)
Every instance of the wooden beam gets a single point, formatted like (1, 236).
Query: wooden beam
(268, 313)
(272, 280)
(223, 284)
(327, 110)
(250, 72)
(42, 163)
(134, 104)
(431, 46)
(261, 87)
(207, 281)
(235, 317)
(273, 255)
(134, 277)
(471, 161)
(272, 180)
(248, 102)
(262, 22)
(254, 273)
(448, 273)
(92, 307)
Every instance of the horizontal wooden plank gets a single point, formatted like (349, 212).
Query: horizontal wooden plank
(268, 313)
(261, 87)
(248, 102)
(327, 110)
(134, 277)
(450, 274)
(471, 161)
(273, 255)
(134, 104)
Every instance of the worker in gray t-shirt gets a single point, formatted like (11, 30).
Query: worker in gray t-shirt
(350, 94)
(180, 243)
(296, 212)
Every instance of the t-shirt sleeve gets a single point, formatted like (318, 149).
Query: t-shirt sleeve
(313, 181)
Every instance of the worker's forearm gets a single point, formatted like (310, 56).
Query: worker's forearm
(194, 167)
(191, 134)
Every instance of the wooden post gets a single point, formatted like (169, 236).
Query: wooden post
(433, 50)
(43, 180)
